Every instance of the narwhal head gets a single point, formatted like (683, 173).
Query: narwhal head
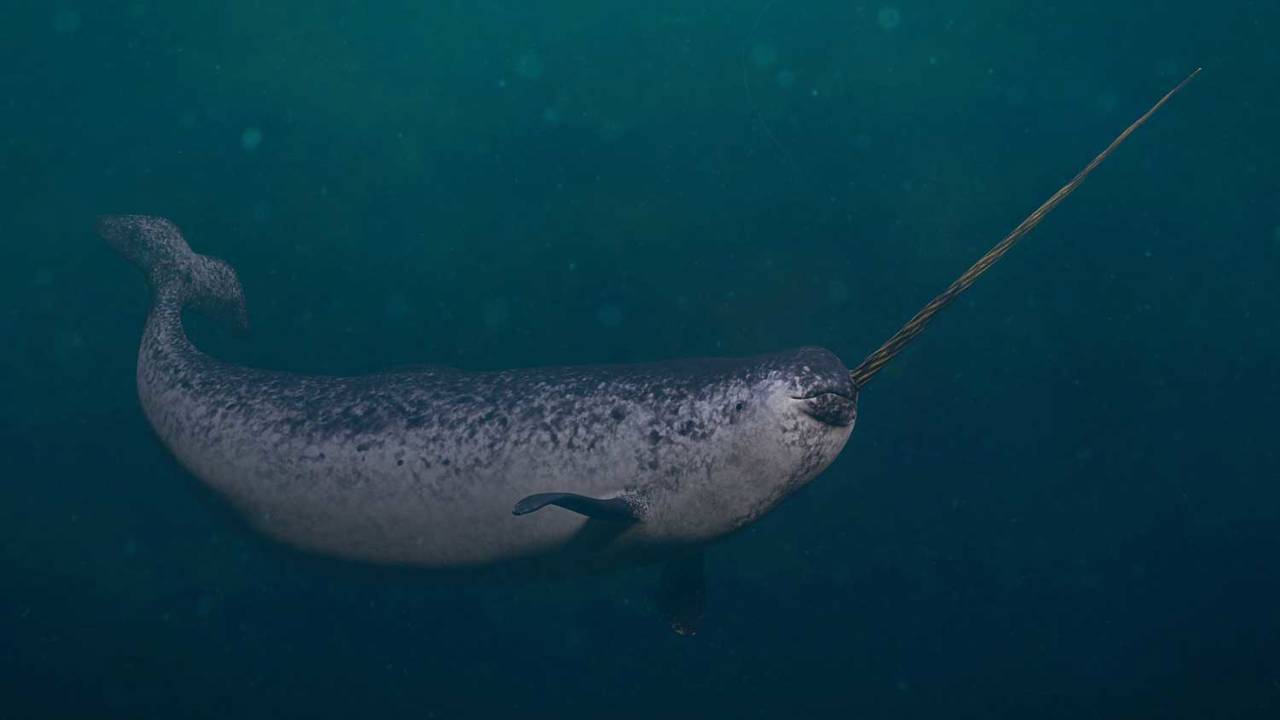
(771, 424)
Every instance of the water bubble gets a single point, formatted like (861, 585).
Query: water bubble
(497, 312)
(529, 66)
(1015, 95)
(1107, 103)
(66, 21)
(837, 292)
(205, 606)
(70, 340)
(551, 117)
(763, 55)
(889, 18)
(261, 211)
(250, 139)
(397, 306)
(786, 78)
(609, 315)
(611, 131)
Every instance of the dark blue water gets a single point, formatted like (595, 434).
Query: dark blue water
(1061, 502)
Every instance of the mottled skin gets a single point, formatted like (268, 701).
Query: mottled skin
(423, 467)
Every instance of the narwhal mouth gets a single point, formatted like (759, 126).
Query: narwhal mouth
(832, 407)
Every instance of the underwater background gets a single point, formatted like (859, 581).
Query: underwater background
(1061, 502)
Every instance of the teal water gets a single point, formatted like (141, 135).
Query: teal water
(1061, 502)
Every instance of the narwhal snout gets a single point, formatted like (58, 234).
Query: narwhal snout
(821, 384)
(832, 408)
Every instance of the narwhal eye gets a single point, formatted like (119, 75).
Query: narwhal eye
(738, 407)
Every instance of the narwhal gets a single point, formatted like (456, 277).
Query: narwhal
(580, 468)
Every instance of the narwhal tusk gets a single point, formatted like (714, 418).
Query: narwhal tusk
(894, 345)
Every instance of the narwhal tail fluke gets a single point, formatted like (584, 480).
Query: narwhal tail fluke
(862, 374)
(175, 272)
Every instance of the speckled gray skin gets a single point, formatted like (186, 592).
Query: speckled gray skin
(424, 467)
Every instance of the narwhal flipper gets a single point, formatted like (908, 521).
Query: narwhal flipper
(617, 509)
(683, 591)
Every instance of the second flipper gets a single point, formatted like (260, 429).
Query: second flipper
(683, 592)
